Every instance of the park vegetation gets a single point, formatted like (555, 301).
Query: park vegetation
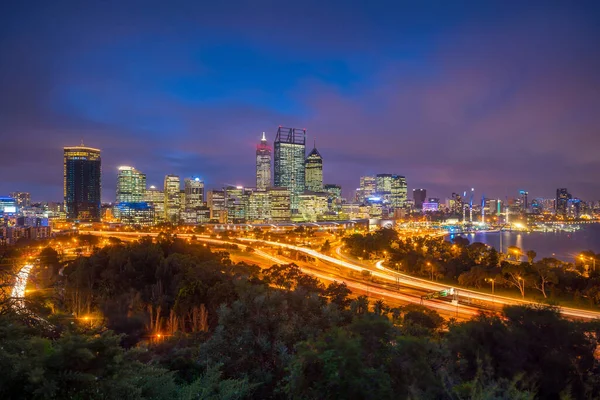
(478, 265)
(176, 320)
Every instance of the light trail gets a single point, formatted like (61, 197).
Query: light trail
(18, 292)
(388, 275)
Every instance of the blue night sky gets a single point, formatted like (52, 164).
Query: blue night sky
(499, 96)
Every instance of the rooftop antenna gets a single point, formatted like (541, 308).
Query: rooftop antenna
(82, 145)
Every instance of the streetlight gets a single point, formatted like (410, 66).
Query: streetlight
(430, 265)
(492, 281)
(583, 258)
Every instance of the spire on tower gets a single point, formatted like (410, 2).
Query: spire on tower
(264, 138)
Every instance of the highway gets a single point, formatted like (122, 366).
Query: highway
(18, 291)
(487, 301)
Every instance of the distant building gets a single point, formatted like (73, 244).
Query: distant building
(131, 185)
(393, 189)
(280, 204)
(82, 183)
(263, 164)
(313, 171)
(562, 200)
(259, 207)
(312, 206)
(290, 144)
(23, 199)
(419, 196)
(368, 188)
(138, 213)
(430, 207)
(156, 199)
(194, 193)
(334, 197)
(216, 203)
(235, 200)
(172, 192)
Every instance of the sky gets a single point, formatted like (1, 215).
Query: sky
(499, 96)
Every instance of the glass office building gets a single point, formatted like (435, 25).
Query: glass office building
(82, 183)
(290, 145)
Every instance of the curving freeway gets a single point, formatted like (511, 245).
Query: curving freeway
(486, 301)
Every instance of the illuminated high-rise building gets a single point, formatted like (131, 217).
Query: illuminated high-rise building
(562, 200)
(172, 193)
(393, 189)
(313, 171)
(263, 164)
(23, 199)
(193, 193)
(82, 174)
(280, 204)
(216, 202)
(288, 163)
(156, 199)
(236, 201)
(368, 188)
(131, 185)
(258, 210)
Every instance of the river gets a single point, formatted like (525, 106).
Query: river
(562, 245)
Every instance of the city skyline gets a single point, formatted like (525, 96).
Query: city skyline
(485, 96)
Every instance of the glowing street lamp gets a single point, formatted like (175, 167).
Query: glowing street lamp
(593, 259)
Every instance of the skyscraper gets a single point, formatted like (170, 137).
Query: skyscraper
(172, 198)
(419, 196)
(23, 199)
(131, 185)
(263, 164)
(156, 199)
(562, 200)
(82, 171)
(290, 146)
(368, 188)
(393, 189)
(313, 171)
(194, 193)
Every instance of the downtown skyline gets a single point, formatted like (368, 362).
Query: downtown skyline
(450, 98)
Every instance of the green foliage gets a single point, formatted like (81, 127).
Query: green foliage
(233, 332)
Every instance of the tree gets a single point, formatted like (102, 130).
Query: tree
(530, 256)
(476, 276)
(544, 275)
(515, 275)
(326, 247)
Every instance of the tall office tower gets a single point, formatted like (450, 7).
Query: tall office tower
(172, 198)
(399, 192)
(384, 183)
(156, 199)
(290, 146)
(263, 164)
(313, 171)
(82, 183)
(259, 210)
(194, 193)
(419, 196)
(334, 191)
(393, 189)
(368, 187)
(235, 200)
(562, 199)
(280, 204)
(215, 200)
(23, 199)
(131, 185)
(523, 200)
